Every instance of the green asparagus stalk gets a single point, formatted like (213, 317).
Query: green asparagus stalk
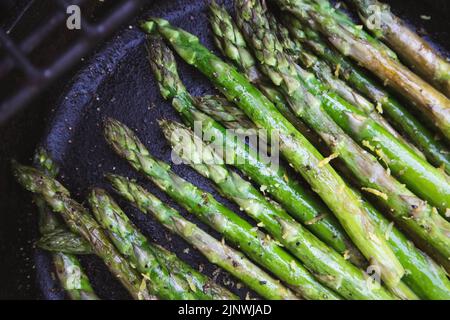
(56, 238)
(81, 222)
(306, 247)
(223, 26)
(72, 277)
(345, 205)
(215, 251)
(431, 102)
(418, 53)
(424, 276)
(64, 241)
(404, 121)
(231, 117)
(420, 177)
(281, 185)
(257, 245)
(169, 277)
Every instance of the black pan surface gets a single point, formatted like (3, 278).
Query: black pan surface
(117, 82)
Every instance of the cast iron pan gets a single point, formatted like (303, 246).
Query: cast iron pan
(117, 82)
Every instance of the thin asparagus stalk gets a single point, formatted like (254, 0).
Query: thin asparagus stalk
(257, 245)
(316, 170)
(426, 98)
(425, 140)
(215, 251)
(81, 222)
(71, 276)
(306, 247)
(169, 277)
(284, 188)
(420, 177)
(64, 241)
(418, 53)
(425, 277)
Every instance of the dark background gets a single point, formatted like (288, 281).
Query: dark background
(19, 137)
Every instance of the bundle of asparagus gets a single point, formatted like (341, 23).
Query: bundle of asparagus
(334, 125)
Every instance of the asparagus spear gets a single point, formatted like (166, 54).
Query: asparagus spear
(424, 276)
(64, 241)
(257, 245)
(346, 206)
(425, 140)
(169, 277)
(71, 276)
(281, 185)
(431, 102)
(215, 251)
(81, 222)
(423, 179)
(413, 49)
(334, 271)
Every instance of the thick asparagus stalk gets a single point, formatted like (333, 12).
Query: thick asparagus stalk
(316, 255)
(431, 102)
(61, 241)
(413, 49)
(317, 171)
(420, 177)
(281, 185)
(424, 276)
(81, 222)
(169, 277)
(257, 245)
(215, 251)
